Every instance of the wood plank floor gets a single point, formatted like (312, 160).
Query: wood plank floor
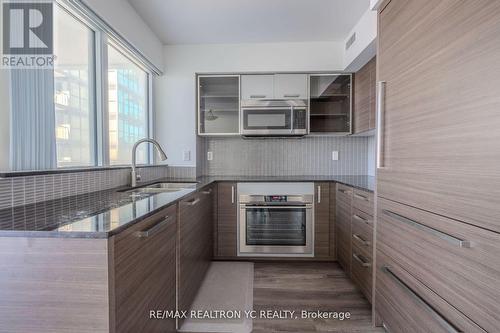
(311, 287)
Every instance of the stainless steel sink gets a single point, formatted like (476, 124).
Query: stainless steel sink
(162, 188)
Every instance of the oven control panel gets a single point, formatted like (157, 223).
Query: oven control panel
(275, 198)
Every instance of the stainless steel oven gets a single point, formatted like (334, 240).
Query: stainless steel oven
(276, 225)
(274, 117)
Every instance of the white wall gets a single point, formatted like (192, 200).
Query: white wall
(364, 48)
(123, 18)
(4, 120)
(175, 92)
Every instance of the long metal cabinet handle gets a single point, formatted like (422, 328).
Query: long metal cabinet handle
(291, 95)
(154, 229)
(193, 202)
(209, 191)
(380, 122)
(307, 206)
(361, 240)
(257, 96)
(444, 236)
(442, 320)
(292, 111)
(319, 194)
(232, 194)
(361, 261)
(359, 218)
(362, 197)
(344, 191)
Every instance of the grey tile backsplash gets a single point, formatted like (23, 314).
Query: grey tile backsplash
(231, 156)
(287, 157)
(19, 191)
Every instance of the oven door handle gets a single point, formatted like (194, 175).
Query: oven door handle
(307, 206)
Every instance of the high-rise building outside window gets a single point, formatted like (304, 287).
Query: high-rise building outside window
(127, 107)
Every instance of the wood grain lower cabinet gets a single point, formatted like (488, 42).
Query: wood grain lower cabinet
(322, 221)
(227, 220)
(52, 285)
(343, 226)
(406, 305)
(143, 274)
(195, 244)
(361, 270)
(458, 261)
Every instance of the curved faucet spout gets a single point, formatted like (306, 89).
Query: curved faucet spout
(134, 176)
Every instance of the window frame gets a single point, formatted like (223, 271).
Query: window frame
(99, 74)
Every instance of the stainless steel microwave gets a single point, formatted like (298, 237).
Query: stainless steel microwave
(274, 117)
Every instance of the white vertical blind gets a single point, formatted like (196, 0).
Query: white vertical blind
(33, 142)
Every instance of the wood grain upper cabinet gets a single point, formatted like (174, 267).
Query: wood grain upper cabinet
(143, 273)
(364, 98)
(441, 137)
(257, 86)
(322, 221)
(227, 220)
(195, 244)
(343, 226)
(290, 86)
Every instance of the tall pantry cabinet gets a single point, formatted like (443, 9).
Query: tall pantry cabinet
(438, 168)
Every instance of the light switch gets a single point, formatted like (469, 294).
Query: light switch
(210, 156)
(186, 155)
(335, 155)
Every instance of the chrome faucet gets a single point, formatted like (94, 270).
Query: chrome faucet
(134, 176)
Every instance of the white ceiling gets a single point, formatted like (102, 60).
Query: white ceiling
(250, 21)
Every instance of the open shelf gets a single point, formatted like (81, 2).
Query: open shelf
(330, 103)
(328, 115)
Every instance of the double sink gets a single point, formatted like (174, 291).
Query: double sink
(161, 188)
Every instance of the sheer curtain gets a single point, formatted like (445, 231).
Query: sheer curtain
(32, 134)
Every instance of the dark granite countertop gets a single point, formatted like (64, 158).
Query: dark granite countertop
(106, 213)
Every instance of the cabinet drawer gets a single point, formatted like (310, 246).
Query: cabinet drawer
(407, 305)
(458, 261)
(144, 273)
(362, 231)
(344, 194)
(363, 201)
(361, 271)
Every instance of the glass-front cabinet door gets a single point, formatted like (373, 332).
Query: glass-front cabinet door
(330, 103)
(218, 104)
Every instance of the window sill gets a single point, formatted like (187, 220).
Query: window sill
(11, 174)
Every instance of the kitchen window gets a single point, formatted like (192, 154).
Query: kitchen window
(127, 107)
(88, 110)
(74, 91)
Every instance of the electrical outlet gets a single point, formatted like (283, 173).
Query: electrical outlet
(186, 155)
(210, 156)
(335, 155)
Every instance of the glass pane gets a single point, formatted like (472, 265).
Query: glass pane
(128, 108)
(219, 105)
(74, 93)
(276, 226)
(269, 119)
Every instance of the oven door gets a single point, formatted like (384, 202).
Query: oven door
(276, 230)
